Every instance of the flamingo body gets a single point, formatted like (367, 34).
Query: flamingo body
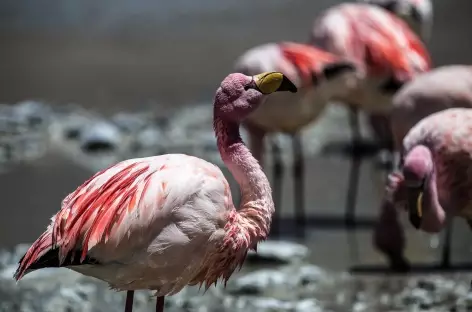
(443, 87)
(379, 42)
(300, 63)
(387, 52)
(143, 205)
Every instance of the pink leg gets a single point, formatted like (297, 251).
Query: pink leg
(380, 124)
(129, 301)
(389, 237)
(299, 184)
(160, 304)
(354, 170)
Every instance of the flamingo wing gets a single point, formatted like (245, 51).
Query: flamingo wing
(311, 61)
(122, 209)
(391, 46)
(305, 58)
(372, 37)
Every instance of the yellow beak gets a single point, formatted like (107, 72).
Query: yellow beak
(419, 205)
(271, 82)
(416, 213)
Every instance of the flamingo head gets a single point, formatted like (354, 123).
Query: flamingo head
(239, 95)
(411, 189)
(417, 171)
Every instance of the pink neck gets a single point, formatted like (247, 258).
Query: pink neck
(434, 218)
(257, 206)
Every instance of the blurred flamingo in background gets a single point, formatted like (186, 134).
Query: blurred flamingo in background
(442, 88)
(435, 178)
(388, 53)
(320, 77)
(418, 14)
(164, 222)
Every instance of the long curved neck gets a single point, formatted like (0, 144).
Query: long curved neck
(434, 218)
(256, 207)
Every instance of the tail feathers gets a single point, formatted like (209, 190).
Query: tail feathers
(34, 253)
(43, 255)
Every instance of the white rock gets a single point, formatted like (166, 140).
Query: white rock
(279, 251)
(150, 137)
(100, 133)
(308, 305)
(269, 305)
(257, 282)
(129, 122)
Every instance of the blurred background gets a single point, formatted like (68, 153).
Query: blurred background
(158, 63)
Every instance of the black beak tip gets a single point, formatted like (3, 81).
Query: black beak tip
(288, 85)
(415, 221)
(392, 85)
(416, 15)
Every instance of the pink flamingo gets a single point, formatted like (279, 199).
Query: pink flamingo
(434, 182)
(168, 221)
(388, 53)
(418, 14)
(320, 76)
(442, 88)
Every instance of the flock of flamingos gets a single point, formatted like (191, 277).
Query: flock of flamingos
(163, 222)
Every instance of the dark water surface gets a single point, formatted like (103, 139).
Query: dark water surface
(107, 59)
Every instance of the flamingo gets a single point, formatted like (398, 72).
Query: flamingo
(418, 14)
(388, 53)
(434, 182)
(320, 76)
(167, 221)
(440, 89)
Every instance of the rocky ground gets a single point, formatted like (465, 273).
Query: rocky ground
(29, 128)
(276, 279)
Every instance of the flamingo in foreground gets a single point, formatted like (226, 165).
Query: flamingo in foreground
(168, 221)
(435, 178)
(442, 88)
(418, 14)
(319, 76)
(388, 53)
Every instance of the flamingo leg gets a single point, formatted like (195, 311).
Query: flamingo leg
(160, 304)
(380, 124)
(129, 301)
(389, 238)
(299, 185)
(469, 223)
(354, 170)
(446, 252)
(277, 185)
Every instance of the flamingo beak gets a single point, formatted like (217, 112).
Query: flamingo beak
(416, 209)
(271, 82)
(415, 14)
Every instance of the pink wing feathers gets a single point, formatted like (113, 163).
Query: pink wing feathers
(373, 37)
(307, 59)
(120, 205)
(101, 206)
(391, 46)
(93, 212)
